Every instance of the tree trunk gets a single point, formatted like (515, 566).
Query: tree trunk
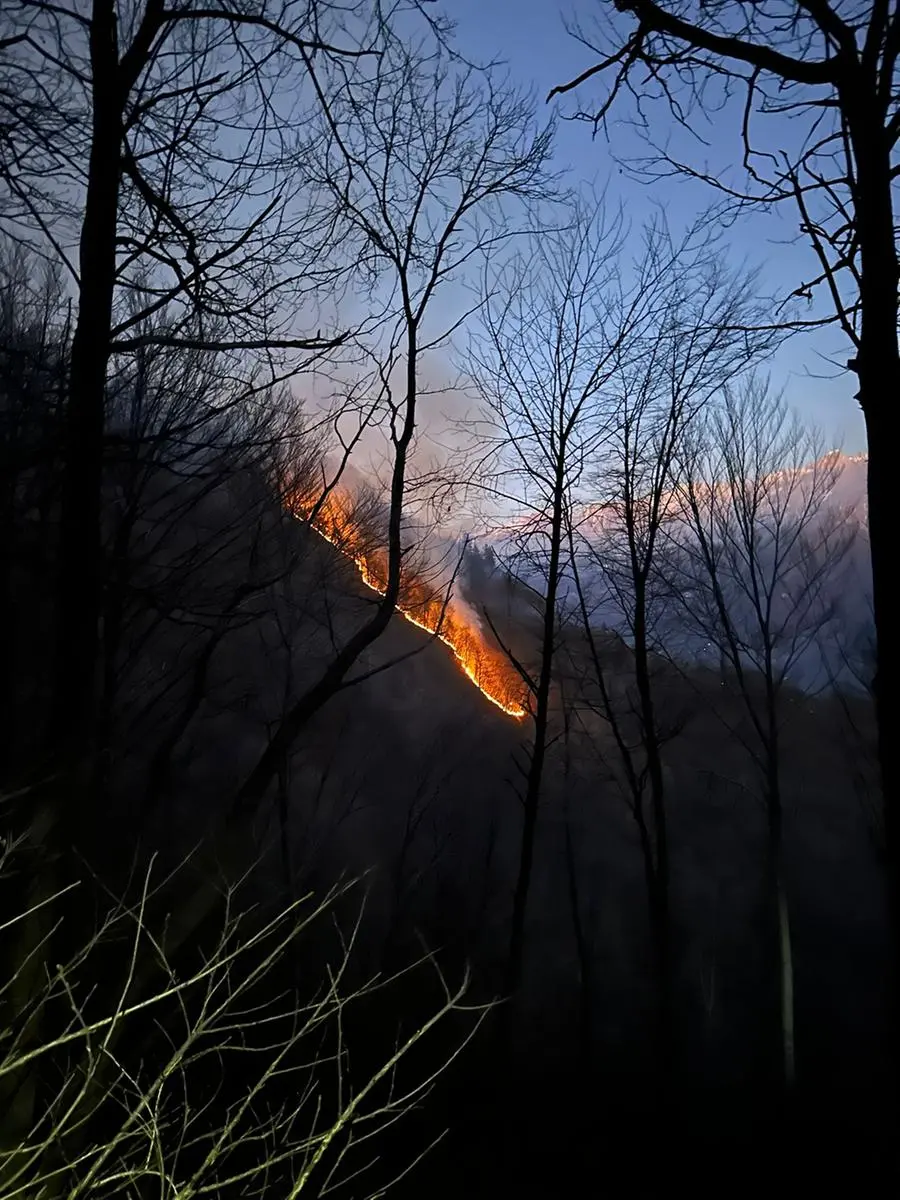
(79, 595)
(535, 776)
(776, 900)
(882, 501)
(658, 878)
(878, 368)
(582, 942)
(780, 955)
(114, 614)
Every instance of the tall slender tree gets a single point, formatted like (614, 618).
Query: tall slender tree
(814, 90)
(148, 154)
(760, 547)
(688, 341)
(539, 360)
(585, 375)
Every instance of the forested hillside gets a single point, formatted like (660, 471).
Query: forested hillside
(444, 750)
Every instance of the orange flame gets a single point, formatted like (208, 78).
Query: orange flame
(485, 665)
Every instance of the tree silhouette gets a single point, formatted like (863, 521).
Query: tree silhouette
(831, 69)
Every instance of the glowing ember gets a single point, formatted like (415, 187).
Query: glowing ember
(421, 604)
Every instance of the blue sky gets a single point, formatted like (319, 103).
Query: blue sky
(529, 36)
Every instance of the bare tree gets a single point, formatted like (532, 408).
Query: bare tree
(690, 338)
(148, 154)
(822, 79)
(539, 362)
(755, 580)
(586, 376)
(420, 154)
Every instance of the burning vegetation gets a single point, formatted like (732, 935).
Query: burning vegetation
(349, 526)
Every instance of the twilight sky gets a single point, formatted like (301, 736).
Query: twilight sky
(530, 38)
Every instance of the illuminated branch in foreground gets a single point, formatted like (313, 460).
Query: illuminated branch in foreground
(124, 1072)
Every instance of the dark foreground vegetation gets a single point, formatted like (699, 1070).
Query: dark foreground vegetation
(287, 906)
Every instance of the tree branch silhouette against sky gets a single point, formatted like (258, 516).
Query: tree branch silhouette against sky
(537, 42)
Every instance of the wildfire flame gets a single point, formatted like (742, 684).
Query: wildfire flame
(420, 602)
